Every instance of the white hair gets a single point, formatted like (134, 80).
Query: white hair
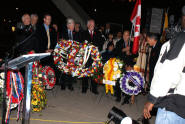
(90, 21)
(70, 21)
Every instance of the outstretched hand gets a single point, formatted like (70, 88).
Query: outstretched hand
(147, 108)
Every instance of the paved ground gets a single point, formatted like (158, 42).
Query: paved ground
(74, 107)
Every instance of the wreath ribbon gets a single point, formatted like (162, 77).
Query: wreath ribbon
(109, 83)
(14, 92)
(86, 57)
(109, 88)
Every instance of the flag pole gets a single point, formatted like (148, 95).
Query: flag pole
(131, 31)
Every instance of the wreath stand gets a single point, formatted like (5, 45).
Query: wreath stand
(15, 64)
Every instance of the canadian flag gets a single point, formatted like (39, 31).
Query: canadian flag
(136, 21)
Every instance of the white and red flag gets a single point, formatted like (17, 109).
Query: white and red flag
(136, 22)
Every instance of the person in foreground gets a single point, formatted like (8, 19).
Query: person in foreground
(167, 91)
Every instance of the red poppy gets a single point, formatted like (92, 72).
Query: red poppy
(31, 52)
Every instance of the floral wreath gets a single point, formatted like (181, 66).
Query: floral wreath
(71, 57)
(80, 70)
(112, 71)
(38, 94)
(98, 76)
(132, 83)
(36, 72)
(61, 52)
(48, 76)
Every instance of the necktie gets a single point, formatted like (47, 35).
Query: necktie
(70, 35)
(91, 34)
(49, 42)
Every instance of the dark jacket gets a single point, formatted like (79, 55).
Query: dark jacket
(76, 35)
(154, 55)
(128, 59)
(96, 40)
(107, 55)
(43, 39)
(119, 46)
(27, 40)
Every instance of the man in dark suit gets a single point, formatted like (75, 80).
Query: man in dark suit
(47, 41)
(26, 37)
(69, 33)
(93, 37)
(47, 35)
(152, 40)
(123, 51)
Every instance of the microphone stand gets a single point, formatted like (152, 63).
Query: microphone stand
(6, 60)
(4, 90)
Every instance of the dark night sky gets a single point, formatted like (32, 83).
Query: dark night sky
(116, 11)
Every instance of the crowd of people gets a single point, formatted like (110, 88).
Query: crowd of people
(40, 38)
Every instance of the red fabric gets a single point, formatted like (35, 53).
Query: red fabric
(31, 52)
(8, 87)
(134, 13)
(136, 21)
(135, 47)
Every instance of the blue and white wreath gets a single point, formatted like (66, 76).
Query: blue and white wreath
(132, 83)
